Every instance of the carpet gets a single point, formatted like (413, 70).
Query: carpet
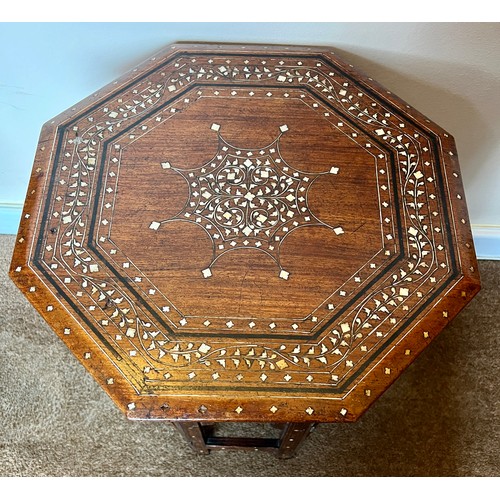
(440, 418)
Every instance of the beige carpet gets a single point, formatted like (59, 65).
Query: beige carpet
(439, 419)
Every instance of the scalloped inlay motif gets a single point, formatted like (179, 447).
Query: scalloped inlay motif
(247, 198)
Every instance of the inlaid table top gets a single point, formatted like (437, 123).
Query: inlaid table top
(245, 233)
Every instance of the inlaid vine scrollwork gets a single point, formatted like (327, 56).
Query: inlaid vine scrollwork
(247, 199)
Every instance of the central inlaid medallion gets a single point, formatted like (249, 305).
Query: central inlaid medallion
(247, 198)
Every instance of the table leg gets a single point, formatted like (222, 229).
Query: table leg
(293, 435)
(192, 433)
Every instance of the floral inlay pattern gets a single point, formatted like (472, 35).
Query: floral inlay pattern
(247, 198)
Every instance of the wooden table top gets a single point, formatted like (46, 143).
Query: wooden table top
(245, 233)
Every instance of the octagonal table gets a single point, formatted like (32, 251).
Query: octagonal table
(245, 233)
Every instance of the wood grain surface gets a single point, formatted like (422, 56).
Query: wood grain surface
(247, 233)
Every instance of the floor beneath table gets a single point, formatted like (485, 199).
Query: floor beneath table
(439, 419)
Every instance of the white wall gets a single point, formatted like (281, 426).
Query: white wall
(449, 71)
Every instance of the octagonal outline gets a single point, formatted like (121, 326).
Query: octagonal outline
(445, 206)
